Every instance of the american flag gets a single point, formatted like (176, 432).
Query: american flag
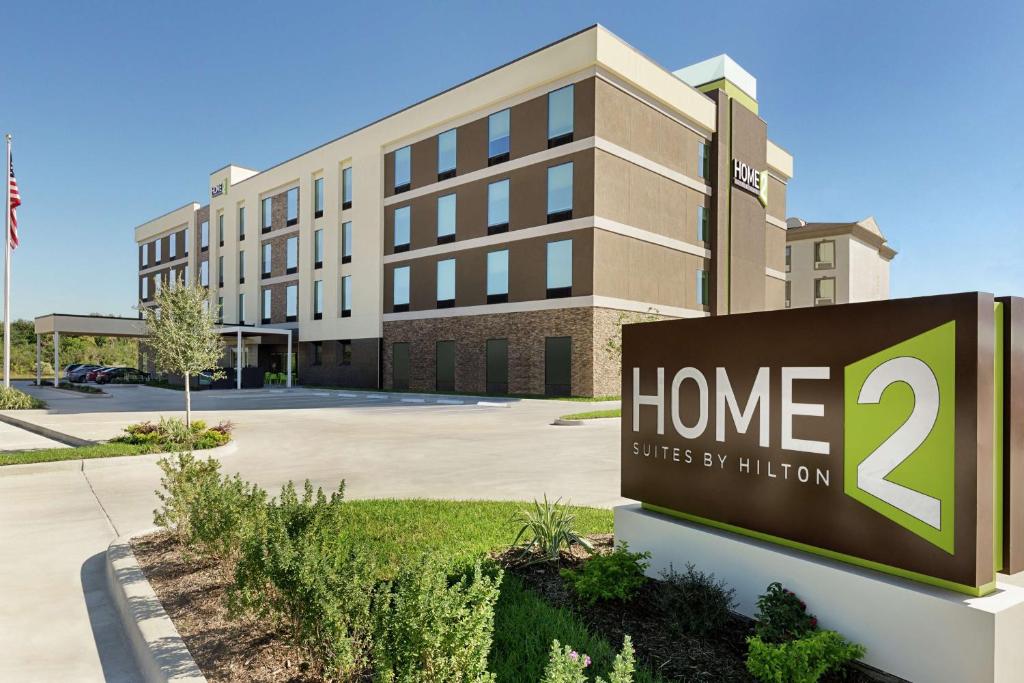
(15, 203)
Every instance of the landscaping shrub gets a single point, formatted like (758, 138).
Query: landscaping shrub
(185, 480)
(782, 616)
(701, 605)
(13, 399)
(172, 434)
(550, 527)
(565, 665)
(619, 575)
(802, 660)
(428, 630)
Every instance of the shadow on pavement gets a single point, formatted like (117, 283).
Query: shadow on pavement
(108, 635)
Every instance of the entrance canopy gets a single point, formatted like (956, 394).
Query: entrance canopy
(109, 326)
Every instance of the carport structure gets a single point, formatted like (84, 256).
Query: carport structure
(57, 324)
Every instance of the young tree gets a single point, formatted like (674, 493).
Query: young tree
(183, 335)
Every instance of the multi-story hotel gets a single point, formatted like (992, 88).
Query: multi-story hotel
(492, 237)
(836, 263)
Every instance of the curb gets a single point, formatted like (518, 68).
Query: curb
(159, 651)
(560, 422)
(79, 464)
(50, 434)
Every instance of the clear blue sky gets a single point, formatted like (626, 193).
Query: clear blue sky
(910, 111)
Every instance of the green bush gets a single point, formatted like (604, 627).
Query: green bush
(428, 630)
(619, 575)
(13, 399)
(185, 480)
(802, 660)
(549, 527)
(172, 434)
(782, 616)
(701, 605)
(565, 665)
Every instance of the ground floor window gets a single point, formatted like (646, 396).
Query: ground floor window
(317, 353)
(497, 366)
(344, 353)
(558, 366)
(400, 365)
(445, 366)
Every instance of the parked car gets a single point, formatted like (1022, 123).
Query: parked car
(91, 375)
(121, 376)
(80, 373)
(68, 369)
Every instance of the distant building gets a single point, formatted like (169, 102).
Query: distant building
(836, 263)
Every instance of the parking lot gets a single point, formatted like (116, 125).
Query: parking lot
(60, 518)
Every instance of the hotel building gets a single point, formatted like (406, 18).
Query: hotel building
(491, 238)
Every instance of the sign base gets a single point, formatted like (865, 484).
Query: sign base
(910, 630)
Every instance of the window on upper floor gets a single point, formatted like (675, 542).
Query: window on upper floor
(241, 267)
(159, 248)
(703, 296)
(220, 270)
(241, 308)
(292, 255)
(267, 261)
(402, 223)
(220, 229)
(559, 269)
(346, 296)
(560, 116)
(318, 197)
(145, 288)
(824, 255)
(560, 192)
(204, 273)
(265, 311)
(204, 235)
(498, 137)
(789, 258)
(400, 289)
(346, 242)
(497, 207)
(497, 276)
(446, 219)
(172, 247)
(292, 206)
(267, 213)
(346, 187)
(318, 248)
(318, 299)
(144, 255)
(446, 154)
(241, 223)
(403, 169)
(789, 294)
(704, 160)
(824, 291)
(446, 283)
(220, 309)
(703, 227)
(291, 299)
(186, 243)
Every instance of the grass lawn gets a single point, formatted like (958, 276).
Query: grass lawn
(102, 450)
(594, 414)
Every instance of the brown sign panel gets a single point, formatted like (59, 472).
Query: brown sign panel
(1012, 406)
(863, 432)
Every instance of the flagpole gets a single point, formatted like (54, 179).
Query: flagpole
(7, 268)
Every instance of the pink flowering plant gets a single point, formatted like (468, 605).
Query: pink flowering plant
(566, 665)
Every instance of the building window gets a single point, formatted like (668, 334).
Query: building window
(496, 370)
(346, 242)
(172, 279)
(444, 366)
(159, 248)
(446, 148)
(318, 299)
(267, 214)
(557, 366)
(292, 255)
(704, 160)
(220, 229)
(220, 310)
(184, 275)
(789, 292)
(158, 280)
(145, 289)
(241, 223)
(204, 273)
(402, 228)
(186, 243)
(318, 198)
(560, 115)
(400, 366)
(497, 277)
(267, 260)
(346, 296)
(446, 219)
(559, 276)
(317, 348)
(497, 207)
(220, 270)
(497, 137)
(318, 248)
(789, 258)
(560, 192)
(400, 294)
(346, 187)
(702, 288)
(265, 314)
(824, 255)
(241, 267)
(446, 283)
(144, 255)
(292, 206)
(344, 352)
(291, 313)
(824, 291)
(241, 308)
(403, 169)
(172, 247)
(703, 233)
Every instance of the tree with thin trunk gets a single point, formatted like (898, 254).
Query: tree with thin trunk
(183, 335)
